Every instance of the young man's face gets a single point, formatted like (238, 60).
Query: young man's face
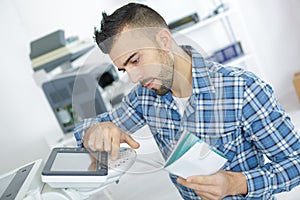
(144, 61)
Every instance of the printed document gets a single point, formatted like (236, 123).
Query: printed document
(192, 156)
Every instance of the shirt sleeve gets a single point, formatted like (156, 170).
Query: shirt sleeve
(126, 116)
(274, 136)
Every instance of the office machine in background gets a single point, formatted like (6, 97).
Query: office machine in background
(74, 93)
(54, 50)
(79, 94)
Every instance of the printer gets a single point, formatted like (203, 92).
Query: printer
(81, 94)
(74, 93)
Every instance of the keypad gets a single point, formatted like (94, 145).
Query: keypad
(125, 160)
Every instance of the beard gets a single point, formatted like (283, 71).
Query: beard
(166, 74)
(166, 77)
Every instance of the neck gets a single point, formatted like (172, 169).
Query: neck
(182, 80)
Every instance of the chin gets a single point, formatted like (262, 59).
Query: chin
(161, 92)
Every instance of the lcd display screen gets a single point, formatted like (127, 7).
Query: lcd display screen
(66, 161)
(79, 162)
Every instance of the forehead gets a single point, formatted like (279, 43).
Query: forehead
(130, 41)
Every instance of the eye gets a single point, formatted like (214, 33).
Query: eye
(135, 61)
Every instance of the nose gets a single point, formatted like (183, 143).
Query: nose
(135, 74)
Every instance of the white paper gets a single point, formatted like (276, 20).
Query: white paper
(198, 160)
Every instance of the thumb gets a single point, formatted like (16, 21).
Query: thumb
(131, 142)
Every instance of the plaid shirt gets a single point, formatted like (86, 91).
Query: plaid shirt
(229, 108)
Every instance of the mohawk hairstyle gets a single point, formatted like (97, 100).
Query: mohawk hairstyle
(132, 15)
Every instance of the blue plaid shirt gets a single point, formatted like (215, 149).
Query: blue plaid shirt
(229, 108)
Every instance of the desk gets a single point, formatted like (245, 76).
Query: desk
(142, 182)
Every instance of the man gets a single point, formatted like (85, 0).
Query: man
(229, 108)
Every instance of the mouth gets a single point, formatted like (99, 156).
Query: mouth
(149, 83)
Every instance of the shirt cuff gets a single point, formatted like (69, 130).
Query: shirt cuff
(259, 184)
(81, 127)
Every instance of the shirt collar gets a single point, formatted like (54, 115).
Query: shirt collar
(200, 72)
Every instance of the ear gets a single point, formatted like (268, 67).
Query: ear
(164, 39)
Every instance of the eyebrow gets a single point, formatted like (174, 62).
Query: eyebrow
(128, 59)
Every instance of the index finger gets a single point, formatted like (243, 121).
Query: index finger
(115, 146)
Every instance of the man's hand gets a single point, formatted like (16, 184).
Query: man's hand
(106, 136)
(216, 186)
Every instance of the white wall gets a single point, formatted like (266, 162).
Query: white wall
(26, 118)
(274, 29)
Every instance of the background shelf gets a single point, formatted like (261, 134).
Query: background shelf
(205, 22)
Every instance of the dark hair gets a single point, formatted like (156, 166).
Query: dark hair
(132, 15)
